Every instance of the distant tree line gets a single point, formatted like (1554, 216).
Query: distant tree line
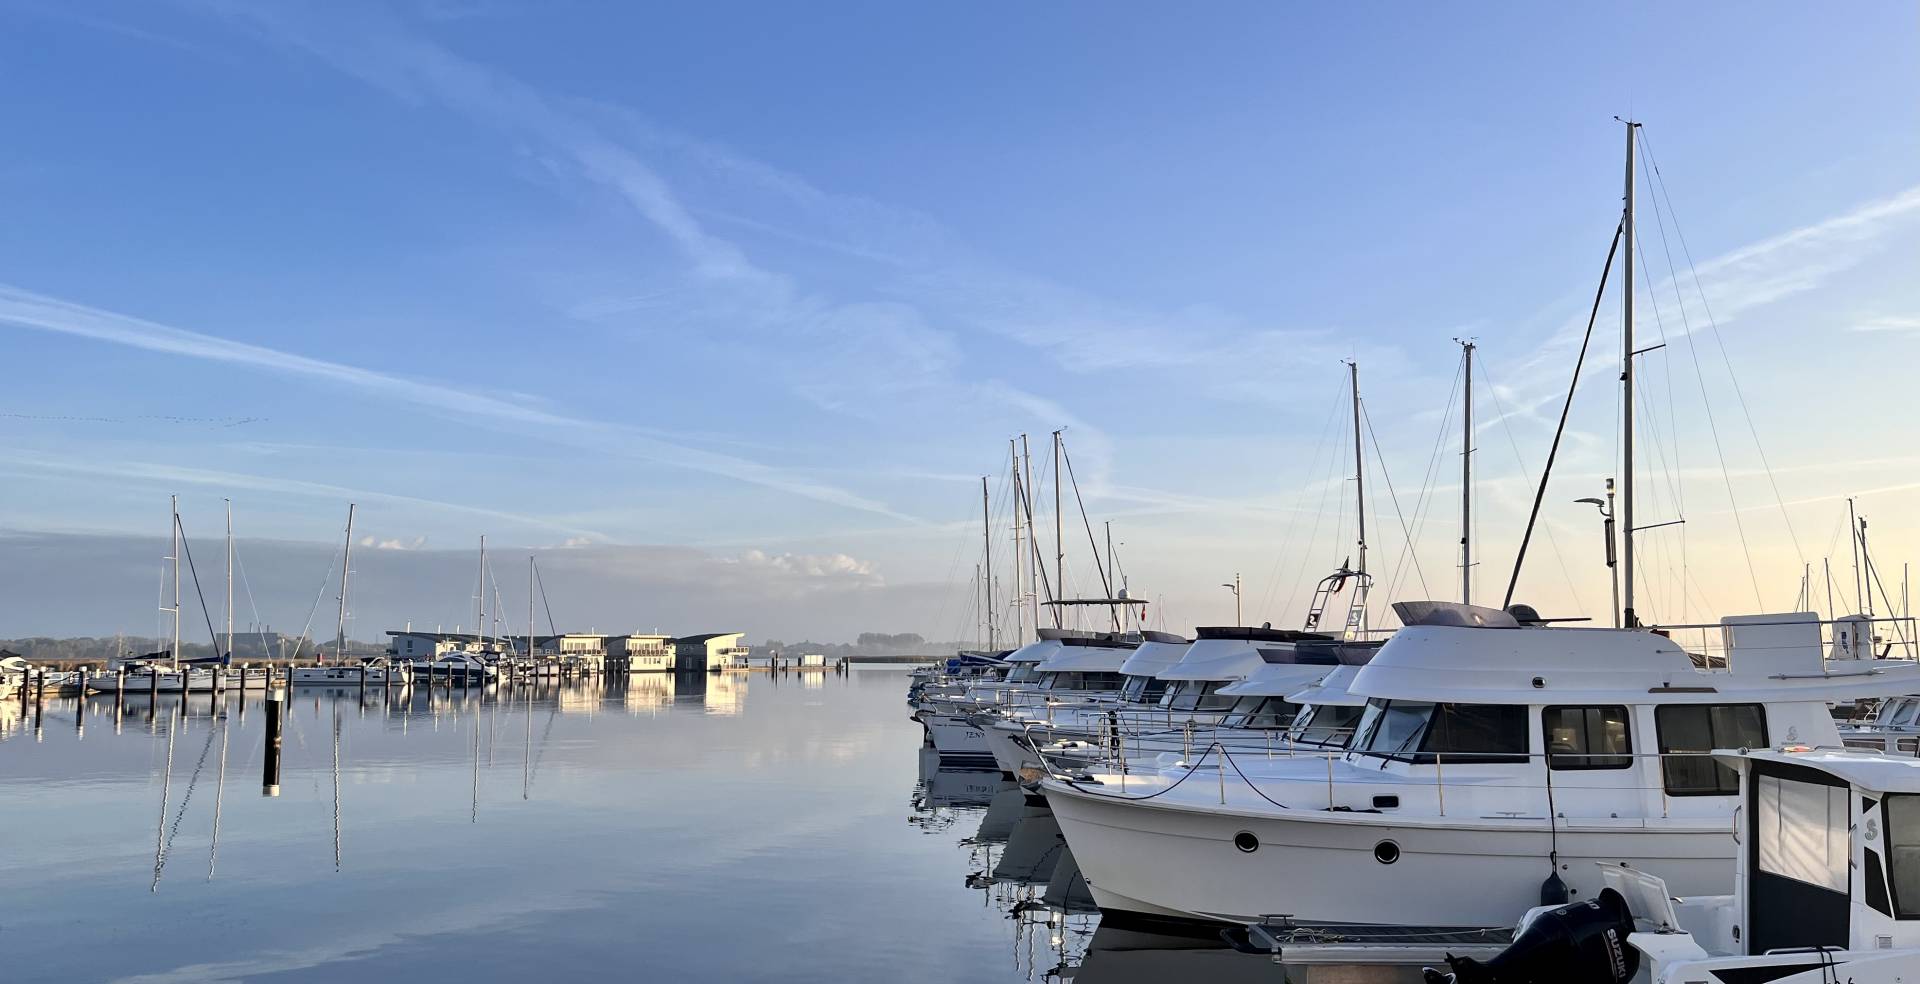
(865, 644)
(247, 646)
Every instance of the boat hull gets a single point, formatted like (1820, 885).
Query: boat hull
(1322, 867)
(957, 739)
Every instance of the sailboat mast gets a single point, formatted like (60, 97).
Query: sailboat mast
(480, 600)
(530, 606)
(1626, 386)
(1466, 479)
(986, 583)
(1019, 580)
(346, 560)
(1113, 587)
(229, 503)
(1034, 569)
(1359, 470)
(1059, 544)
(174, 500)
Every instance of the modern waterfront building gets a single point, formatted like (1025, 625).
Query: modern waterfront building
(708, 653)
(644, 653)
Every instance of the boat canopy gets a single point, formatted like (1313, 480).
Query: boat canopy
(1107, 657)
(1333, 688)
(1769, 658)
(1213, 657)
(1278, 680)
(1869, 771)
(1034, 652)
(1156, 652)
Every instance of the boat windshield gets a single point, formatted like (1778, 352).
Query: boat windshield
(1022, 673)
(1080, 681)
(1143, 689)
(1417, 731)
(1903, 846)
(1197, 695)
(1904, 714)
(1261, 712)
(1327, 725)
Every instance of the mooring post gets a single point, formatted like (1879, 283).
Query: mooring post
(270, 774)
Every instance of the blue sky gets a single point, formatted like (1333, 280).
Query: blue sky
(771, 285)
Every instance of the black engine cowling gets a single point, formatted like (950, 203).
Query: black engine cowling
(1580, 943)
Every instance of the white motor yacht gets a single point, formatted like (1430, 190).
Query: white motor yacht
(377, 671)
(457, 668)
(946, 712)
(1493, 753)
(1079, 686)
(1255, 713)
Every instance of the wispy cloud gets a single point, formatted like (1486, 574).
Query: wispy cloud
(27, 461)
(1731, 285)
(1886, 323)
(25, 309)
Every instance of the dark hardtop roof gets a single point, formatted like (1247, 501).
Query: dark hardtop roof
(1262, 633)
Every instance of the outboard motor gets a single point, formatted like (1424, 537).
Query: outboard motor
(1581, 943)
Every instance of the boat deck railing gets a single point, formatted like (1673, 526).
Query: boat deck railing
(1604, 791)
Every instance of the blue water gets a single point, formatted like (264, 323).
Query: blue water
(734, 827)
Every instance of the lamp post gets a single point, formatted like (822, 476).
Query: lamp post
(1235, 588)
(1606, 524)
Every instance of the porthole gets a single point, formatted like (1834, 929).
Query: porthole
(1386, 852)
(1246, 842)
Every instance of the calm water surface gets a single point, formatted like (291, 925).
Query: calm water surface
(721, 828)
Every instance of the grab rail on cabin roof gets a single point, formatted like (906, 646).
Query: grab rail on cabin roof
(1707, 642)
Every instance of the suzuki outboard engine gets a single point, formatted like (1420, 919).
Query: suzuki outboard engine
(1581, 943)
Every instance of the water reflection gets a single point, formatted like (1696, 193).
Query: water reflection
(1024, 870)
(690, 828)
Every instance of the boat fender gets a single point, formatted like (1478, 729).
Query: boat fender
(1554, 891)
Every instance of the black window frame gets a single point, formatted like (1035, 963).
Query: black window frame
(1729, 784)
(1319, 735)
(1586, 760)
(1440, 721)
(1893, 843)
(1435, 729)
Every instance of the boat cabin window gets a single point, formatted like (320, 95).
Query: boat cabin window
(1197, 695)
(1587, 737)
(1260, 712)
(1903, 718)
(1075, 680)
(1143, 690)
(1903, 846)
(1690, 732)
(1326, 724)
(1022, 673)
(1422, 733)
(1800, 832)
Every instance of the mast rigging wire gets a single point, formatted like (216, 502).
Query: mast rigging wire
(204, 613)
(1558, 432)
(1393, 497)
(1713, 426)
(1714, 327)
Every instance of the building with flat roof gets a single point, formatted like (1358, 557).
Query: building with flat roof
(643, 653)
(710, 652)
